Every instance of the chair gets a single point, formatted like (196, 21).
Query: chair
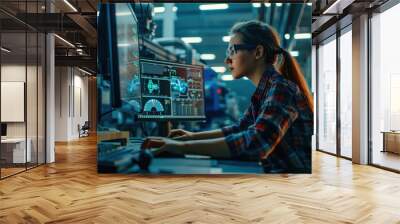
(84, 130)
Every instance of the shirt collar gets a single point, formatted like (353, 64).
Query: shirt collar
(263, 84)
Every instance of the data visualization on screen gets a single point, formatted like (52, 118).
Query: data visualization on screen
(171, 91)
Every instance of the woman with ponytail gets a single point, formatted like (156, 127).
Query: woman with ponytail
(276, 128)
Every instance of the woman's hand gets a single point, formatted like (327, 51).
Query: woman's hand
(162, 145)
(180, 134)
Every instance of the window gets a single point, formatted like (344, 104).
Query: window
(346, 94)
(327, 96)
(385, 89)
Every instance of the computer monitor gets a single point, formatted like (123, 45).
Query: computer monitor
(119, 52)
(171, 91)
(3, 130)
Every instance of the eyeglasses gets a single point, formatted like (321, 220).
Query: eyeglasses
(233, 49)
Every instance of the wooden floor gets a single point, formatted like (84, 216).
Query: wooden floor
(70, 191)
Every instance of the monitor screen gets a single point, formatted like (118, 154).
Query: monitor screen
(171, 91)
(3, 129)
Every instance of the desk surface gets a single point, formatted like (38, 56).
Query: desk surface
(391, 132)
(120, 161)
(13, 140)
(203, 166)
(198, 166)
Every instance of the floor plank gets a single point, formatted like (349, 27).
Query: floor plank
(71, 191)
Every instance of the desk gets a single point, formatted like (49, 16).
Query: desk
(13, 150)
(113, 135)
(119, 159)
(391, 141)
(203, 166)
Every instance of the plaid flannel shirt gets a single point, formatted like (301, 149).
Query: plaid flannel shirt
(276, 128)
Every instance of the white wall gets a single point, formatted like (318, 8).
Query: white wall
(71, 94)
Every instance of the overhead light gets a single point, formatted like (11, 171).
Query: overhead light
(333, 6)
(191, 40)
(287, 36)
(126, 13)
(159, 9)
(294, 53)
(123, 44)
(278, 4)
(302, 36)
(5, 50)
(162, 9)
(227, 77)
(213, 6)
(207, 56)
(84, 71)
(65, 41)
(226, 38)
(70, 5)
(258, 5)
(220, 69)
(309, 4)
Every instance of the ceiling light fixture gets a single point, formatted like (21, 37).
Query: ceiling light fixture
(226, 38)
(258, 5)
(227, 77)
(5, 50)
(192, 40)
(64, 40)
(84, 71)
(302, 36)
(207, 56)
(159, 9)
(220, 69)
(213, 6)
(294, 53)
(334, 7)
(70, 5)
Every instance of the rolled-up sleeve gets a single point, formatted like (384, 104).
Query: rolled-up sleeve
(277, 114)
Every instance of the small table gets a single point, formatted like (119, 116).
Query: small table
(391, 141)
(13, 150)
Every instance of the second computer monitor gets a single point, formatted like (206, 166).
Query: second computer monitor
(171, 91)
(3, 129)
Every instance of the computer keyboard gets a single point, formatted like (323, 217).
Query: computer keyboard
(113, 158)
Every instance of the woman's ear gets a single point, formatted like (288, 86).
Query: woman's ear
(259, 51)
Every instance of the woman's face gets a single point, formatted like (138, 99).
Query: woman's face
(242, 62)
